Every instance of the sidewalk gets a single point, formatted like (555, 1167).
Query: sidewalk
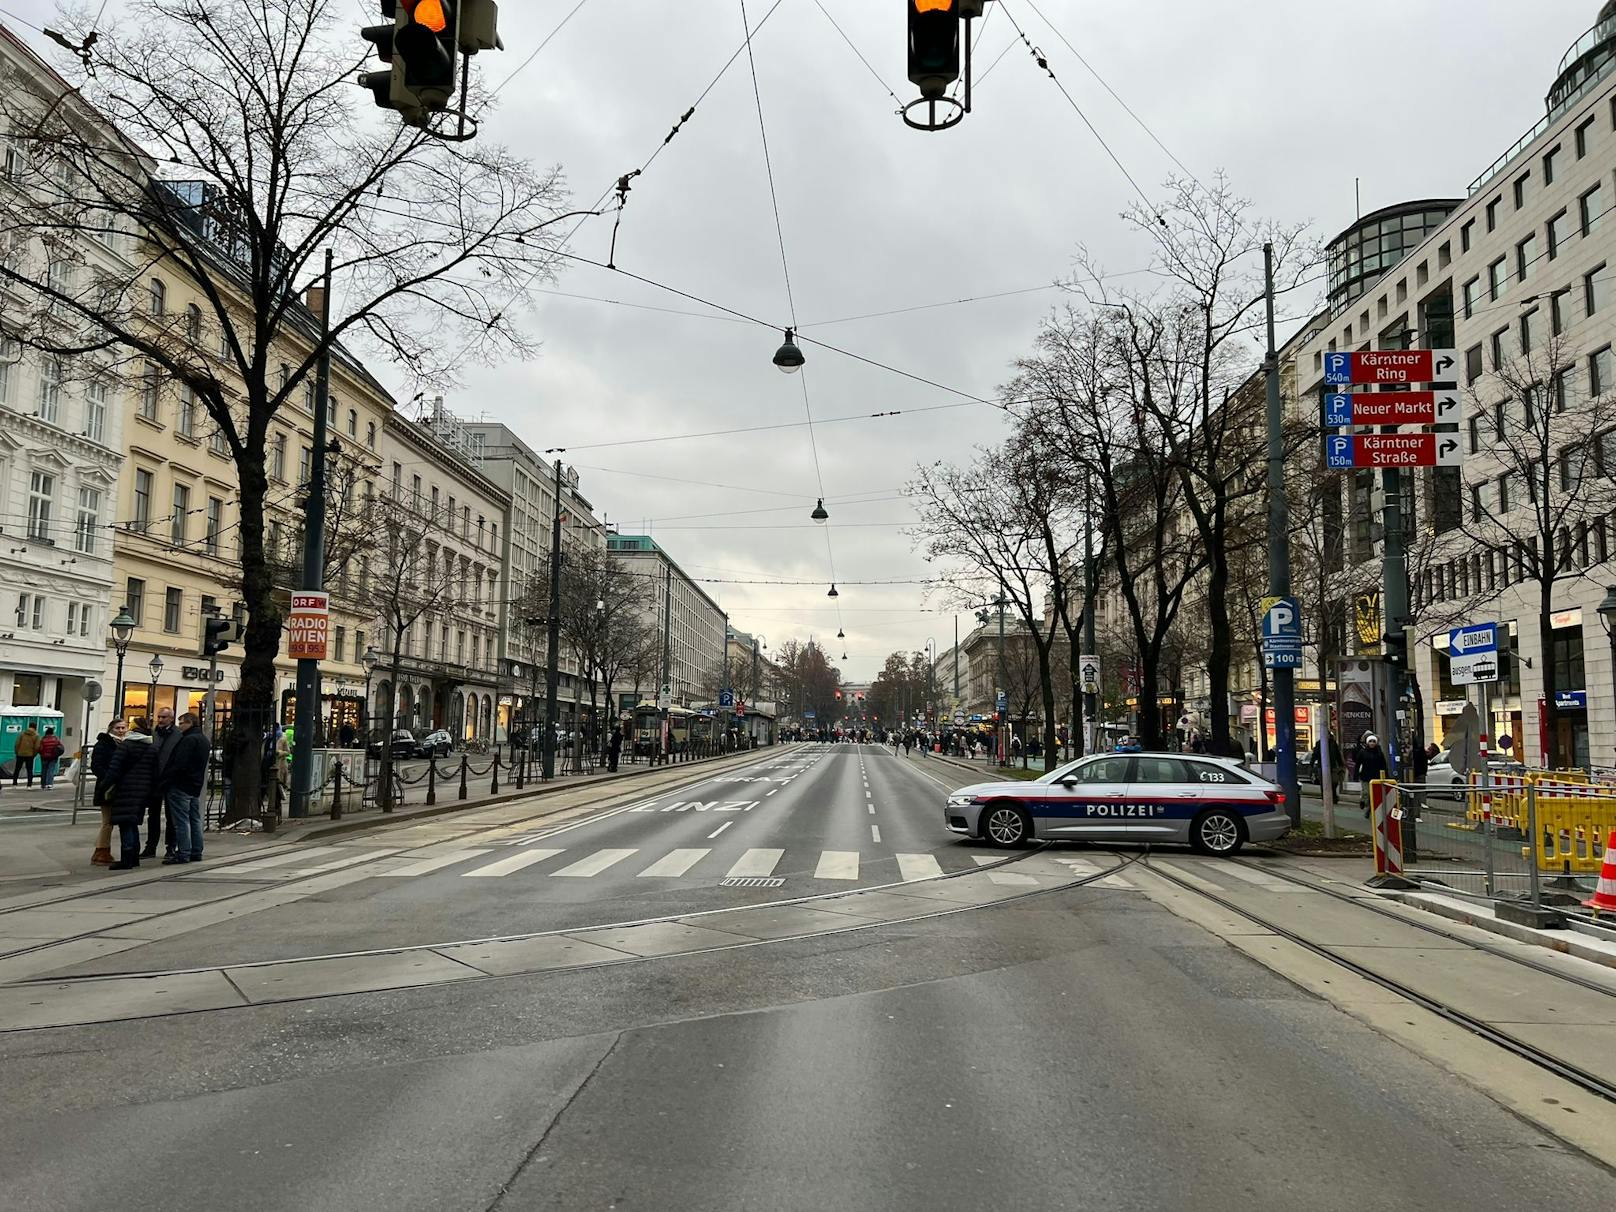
(40, 847)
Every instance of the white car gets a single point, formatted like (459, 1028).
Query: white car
(1441, 772)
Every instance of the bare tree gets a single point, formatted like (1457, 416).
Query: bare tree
(1550, 497)
(234, 153)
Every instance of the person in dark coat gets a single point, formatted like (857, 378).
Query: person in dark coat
(1370, 765)
(614, 747)
(132, 774)
(106, 747)
(182, 781)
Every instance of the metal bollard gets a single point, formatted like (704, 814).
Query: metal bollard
(462, 776)
(432, 780)
(493, 788)
(336, 791)
(521, 769)
(1533, 878)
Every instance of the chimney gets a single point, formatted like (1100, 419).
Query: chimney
(314, 300)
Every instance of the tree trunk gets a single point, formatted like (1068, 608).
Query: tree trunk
(253, 709)
(1150, 735)
(1221, 655)
(384, 793)
(1545, 635)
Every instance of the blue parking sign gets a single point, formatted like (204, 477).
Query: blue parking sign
(1337, 452)
(1337, 408)
(1337, 369)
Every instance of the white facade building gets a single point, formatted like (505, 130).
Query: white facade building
(60, 438)
(696, 625)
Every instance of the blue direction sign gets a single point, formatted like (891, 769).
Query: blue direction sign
(1473, 654)
(1467, 641)
(1002, 703)
(1282, 633)
(1338, 452)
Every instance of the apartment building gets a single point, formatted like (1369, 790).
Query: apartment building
(696, 624)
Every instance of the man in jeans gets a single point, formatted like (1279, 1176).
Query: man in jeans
(164, 739)
(184, 777)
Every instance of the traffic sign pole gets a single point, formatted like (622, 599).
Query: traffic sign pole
(1279, 560)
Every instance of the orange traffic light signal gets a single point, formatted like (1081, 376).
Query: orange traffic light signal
(430, 14)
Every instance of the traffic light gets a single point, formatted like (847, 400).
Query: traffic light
(1394, 650)
(934, 45)
(218, 634)
(422, 46)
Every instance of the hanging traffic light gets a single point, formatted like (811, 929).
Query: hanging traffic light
(422, 46)
(934, 45)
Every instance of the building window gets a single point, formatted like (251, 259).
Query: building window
(72, 618)
(182, 510)
(1475, 433)
(277, 458)
(1522, 184)
(50, 389)
(305, 465)
(1531, 330)
(1559, 232)
(1595, 290)
(1551, 160)
(1503, 494)
(1591, 210)
(1478, 506)
(1492, 214)
(157, 295)
(1473, 364)
(10, 355)
(187, 414)
(1498, 348)
(308, 396)
(95, 410)
(1599, 373)
(215, 517)
(353, 423)
(41, 502)
(140, 519)
(150, 383)
(370, 434)
(59, 280)
(88, 520)
(339, 643)
(1557, 311)
(1498, 277)
(1498, 422)
(1584, 129)
(1472, 293)
(217, 442)
(1466, 234)
(134, 600)
(173, 601)
(193, 323)
(1558, 389)
(1526, 256)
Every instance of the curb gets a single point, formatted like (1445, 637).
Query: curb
(1566, 942)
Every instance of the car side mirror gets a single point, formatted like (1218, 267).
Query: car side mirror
(1068, 782)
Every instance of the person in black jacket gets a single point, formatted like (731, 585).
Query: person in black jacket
(182, 780)
(106, 747)
(132, 774)
(1371, 765)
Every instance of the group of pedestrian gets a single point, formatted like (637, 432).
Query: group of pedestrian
(156, 776)
(47, 749)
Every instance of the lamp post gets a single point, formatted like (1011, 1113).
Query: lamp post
(155, 668)
(123, 630)
(370, 660)
(1607, 616)
(758, 644)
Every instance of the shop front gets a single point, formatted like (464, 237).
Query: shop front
(180, 686)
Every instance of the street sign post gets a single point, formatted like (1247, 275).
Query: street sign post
(1282, 633)
(1396, 366)
(1473, 654)
(1343, 451)
(1392, 408)
(665, 697)
(1089, 673)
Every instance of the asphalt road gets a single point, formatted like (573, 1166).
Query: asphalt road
(1081, 1048)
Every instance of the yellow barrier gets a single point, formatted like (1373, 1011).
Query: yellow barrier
(1572, 832)
(1508, 794)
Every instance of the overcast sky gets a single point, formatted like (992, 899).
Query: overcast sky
(1416, 97)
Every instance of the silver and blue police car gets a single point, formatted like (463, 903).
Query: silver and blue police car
(1212, 804)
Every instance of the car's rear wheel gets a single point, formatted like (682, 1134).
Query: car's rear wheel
(1217, 831)
(1006, 826)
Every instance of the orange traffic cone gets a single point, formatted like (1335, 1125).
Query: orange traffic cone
(1604, 896)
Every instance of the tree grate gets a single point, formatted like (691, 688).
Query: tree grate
(752, 881)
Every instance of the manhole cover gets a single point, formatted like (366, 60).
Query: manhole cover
(752, 881)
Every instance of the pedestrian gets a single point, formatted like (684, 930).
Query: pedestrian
(1370, 764)
(182, 780)
(614, 747)
(27, 749)
(50, 752)
(164, 739)
(346, 735)
(130, 783)
(106, 748)
(283, 757)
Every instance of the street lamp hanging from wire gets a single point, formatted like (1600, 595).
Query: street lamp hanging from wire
(819, 514)
(789, 357)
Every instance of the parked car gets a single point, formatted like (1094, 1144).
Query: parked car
(402, 742)
(435, 744)
(1441, 772)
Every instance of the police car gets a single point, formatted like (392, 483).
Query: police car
(1212, 804)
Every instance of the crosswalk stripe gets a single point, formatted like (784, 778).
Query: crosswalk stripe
(918, 866)
(837, 865)
(1011, 879)
(675, 862)
(1191, 878)
(442, 859)
(594, 864)
(1261, 878)
(515, 863)
(298, 856)
(757, 862)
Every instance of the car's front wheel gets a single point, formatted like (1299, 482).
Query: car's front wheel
(1217, 831)
(1006, 826)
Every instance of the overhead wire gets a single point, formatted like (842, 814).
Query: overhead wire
(520, 67)
(860, 54)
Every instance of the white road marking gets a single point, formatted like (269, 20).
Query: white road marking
(870, 808)
(1191, 878)
(516, 862)
(1011, 879)
(424, 866)
(837, 865)
(867, 793)
(722, 827)
(918, 866)
(776, 791)
(756, 862)
(875, 833)
(594, 864)
(1261, 878)
(675, 862)
(1115, 881)
(299, 855)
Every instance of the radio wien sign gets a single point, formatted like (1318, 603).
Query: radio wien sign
(1395, 366)
(308, 626)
